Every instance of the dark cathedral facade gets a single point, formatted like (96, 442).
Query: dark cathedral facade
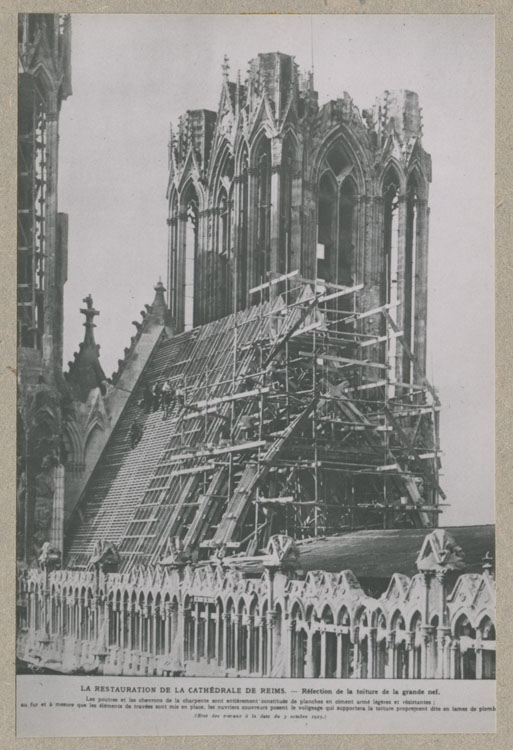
(277, 512)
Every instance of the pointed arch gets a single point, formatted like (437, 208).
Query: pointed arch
(222, 273)
(290, 202)
(93, 445)
(262, 120)
(391, 189)
(343, 617)
(463, 627)
(466, 661)
(297, 610)
(486, 629)
(326, 616)
(348, 231)
(241, 226)
(261, 161)
(73, 442)
(222, 167)
(392, 171)
(340, 185)
(378, 620)
(241, 152)
(191, 173)
(419, 164)
(397, 621)
(342, 153)
(416, 177)
(172, 271)
(189, 200)
(410, 269)
(222, 238)
(97, 418)
(327, 218)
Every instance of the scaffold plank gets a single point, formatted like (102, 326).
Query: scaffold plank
(272, 282)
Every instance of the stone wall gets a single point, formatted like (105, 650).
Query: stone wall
(214, 620)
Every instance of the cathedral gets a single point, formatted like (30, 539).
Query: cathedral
(255, 491)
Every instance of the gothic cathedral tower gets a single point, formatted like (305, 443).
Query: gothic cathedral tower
(44, 82)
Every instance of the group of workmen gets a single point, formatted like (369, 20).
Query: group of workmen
(162, 396)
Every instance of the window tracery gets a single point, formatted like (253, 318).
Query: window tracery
(337, 220)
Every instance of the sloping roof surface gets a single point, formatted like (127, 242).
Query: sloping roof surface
(133, 495)
(381, 553)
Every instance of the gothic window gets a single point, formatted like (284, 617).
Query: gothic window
(347, 233)
(381, 659)
(243, 655)
(391, 229)
(336, 219)
(191, 250)
(230, 635)
(126, 622)
(223, 261)
(466, 659)
(111, 617)
(327, 227)
(220, 631)
(148, 632)
(410, 273)
(487, 630)
(242, 279)
(390, 263)
(93, 446)
(263, 195)
(223, 225)
(416, 629)
(288, 166)
(173, 254)
(401, 661)
(134, 613)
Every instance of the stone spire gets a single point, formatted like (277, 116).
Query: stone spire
(159, 312)
(85, 372)
(90, 314)
(155, 316)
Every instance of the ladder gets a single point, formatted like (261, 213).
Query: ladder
(206, 508)
(253, 474)
(377, 442)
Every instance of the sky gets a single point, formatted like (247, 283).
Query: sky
(135, 74)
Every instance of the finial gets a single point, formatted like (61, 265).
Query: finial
(170, 144)
(488, 562)
(89, 312)
(158, 311)
(237, 94)
(85, 372)
(225, 67)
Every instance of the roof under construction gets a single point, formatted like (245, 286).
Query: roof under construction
(286, 419)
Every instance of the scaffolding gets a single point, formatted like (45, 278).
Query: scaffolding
(293, 420)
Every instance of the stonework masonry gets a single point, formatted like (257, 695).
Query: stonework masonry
(273, 182)
(213, 620)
